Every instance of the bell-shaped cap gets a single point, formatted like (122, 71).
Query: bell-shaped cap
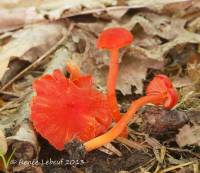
(162, 85)
(114, 38)
(64, 109)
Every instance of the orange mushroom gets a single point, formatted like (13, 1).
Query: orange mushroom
(113, 39)
(160, 92)
(69, 108)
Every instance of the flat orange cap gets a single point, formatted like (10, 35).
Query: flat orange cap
(114, 38)
(63, 109)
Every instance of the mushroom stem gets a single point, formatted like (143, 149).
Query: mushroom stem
(111, 83)
(122, 123)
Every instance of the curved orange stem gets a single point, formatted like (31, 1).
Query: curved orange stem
(111, 83)
(122, 123)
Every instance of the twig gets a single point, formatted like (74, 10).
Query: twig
(9, 93)
(132, 144)
(184, 150)
(176, 167)
(10, 104)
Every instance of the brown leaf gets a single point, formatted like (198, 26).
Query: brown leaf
(159, 25)
(30, 43)
(188, 136)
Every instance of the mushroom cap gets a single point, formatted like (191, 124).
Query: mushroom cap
(64, 109)
(114, 38)
(162, 85)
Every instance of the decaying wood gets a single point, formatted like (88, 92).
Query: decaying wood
(159, 122)
(25, 144)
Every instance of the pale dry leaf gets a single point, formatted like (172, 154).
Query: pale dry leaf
(188, 135)
(160, 51)
(146, 41)
(56, 4)
(22, 12)
(62, 8)
(133, 71)
(30, 43)
(3, 143)
(157, 25)
(15, 18)
(18, 3)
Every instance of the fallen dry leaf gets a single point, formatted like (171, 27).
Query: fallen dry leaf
(159, 25)
(12, 19)
(21, 12)
(133, 71)
(188, 136)
(30, 43)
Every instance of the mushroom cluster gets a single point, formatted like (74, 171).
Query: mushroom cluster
(64, 109)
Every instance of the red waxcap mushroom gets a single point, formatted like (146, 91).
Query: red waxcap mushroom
(113, 39)
(162, 85)
(63, 108)
(160, 91)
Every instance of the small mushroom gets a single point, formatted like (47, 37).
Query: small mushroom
(159, 91)
(113, 39)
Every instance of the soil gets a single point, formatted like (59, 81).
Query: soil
(94, 162)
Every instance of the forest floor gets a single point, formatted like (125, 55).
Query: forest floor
(37, 37)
